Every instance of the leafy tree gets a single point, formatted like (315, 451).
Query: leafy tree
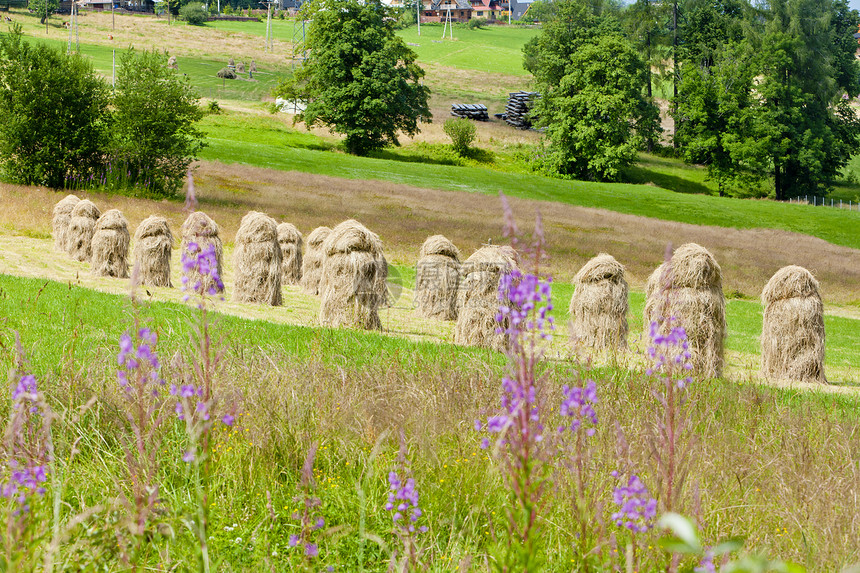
(194, 13)
(462, 133)
(155, 109)
(596, 117)
(37, 7)
(645, 21)
(360, 79)
(53, 114)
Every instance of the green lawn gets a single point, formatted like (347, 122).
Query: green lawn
(256, 141)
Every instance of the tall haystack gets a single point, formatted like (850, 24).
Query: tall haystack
(599, 304)
(153, 243)
(60, 220)
(437, 276)
(257, 261)
(291, 243)
(312, 260)
(82, 225)
(199, 228)
(385, 299)
(350, 277)
(792, 337)
(691, 290)
(478, 301)
(110, 245)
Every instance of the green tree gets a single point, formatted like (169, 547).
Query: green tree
(360, 79)
(462, 133)
(38, 8)
(597, 117)
(154, 136)
(53, 114)
(194, 13)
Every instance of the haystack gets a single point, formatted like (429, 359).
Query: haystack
(385, 299)
(153, 243)
(312, 260)
(60, 220)
(200, 229)
(110, 245)
(792, 338)
(478, 301)
(350, 277)
(599, 304)
(437, 276)
(257, 261)
(82, 225)
(291, 243)
(690, 289)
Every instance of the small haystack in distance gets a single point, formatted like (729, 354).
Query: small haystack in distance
(691, 290)
(291, 243)
(312, 260)
(350, 277)
(599, 304)
(153, 243)
(82, 225)
(792, 337)
(257, 261)
(110, 245)
(60, 220)
(437, 276)
(199, 228)
(478, 301)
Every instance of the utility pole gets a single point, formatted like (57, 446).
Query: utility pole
(419, 4)
(269, 39)
(112, 16)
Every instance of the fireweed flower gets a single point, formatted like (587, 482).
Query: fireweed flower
(637, 508)
(204, 262)
(403, 503)
(706, 565)
(670, 353)
(524, 304)
(578, 405)
(138, 361)
(25, 469)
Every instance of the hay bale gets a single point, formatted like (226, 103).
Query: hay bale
(172, 64)
(690, 289)
(226, 74)
(351, 276)
(478, 300)
(599, 304)
(200, 229)
(82, 225)
(240, 68)
(153, 243)
(60, 220)
(312, 260)
(290, 240)
(792, 338)
(437, 277)
(257, 261)
(110, 245)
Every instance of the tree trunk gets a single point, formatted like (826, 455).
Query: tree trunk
(777, 182)
(675, 72)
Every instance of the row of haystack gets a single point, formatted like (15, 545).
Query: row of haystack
(688, 289)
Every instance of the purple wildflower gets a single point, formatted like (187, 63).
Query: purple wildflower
(138, 362)
(311, 550)
(188, 457)
(670, 353)
(638, 508)
(525, 302)
(403, 501)
(706, 565)
(204, 262)
(578, 404)
(294, 540)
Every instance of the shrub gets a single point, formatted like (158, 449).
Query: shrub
(227, 10)
(194, 13)
(476, 23)
(462, 133)
(53, 112)
(214, 108)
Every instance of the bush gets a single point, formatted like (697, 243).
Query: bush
(194, 13)
(462, 133)
(53, 114)
(214, 108)
(155, 110)
(227, 10)
(476, 23)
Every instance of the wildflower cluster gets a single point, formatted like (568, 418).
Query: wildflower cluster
(670, 352)
(309, 519)
(403, 502)
(637, 508)
(202, 262)
(525, 303)
(578, 404)
(24, 394)
(26, 467)
(139, 363)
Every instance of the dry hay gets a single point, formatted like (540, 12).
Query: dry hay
(82, 225)
(478, 301)
(437, 276)
(385, 298)
(291, 243)
(599, 304)
(792, 338)
(690, 289)
(257, 261)
(110, 245)
(350, 277)
(240, 68)
(312, 260)
(60, 220)
(153, 243)
(199, 228)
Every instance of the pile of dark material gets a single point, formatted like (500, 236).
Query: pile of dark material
(517, 109)
(475, 111)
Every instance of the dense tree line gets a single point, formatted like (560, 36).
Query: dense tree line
(63, 126)
(759, 93)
